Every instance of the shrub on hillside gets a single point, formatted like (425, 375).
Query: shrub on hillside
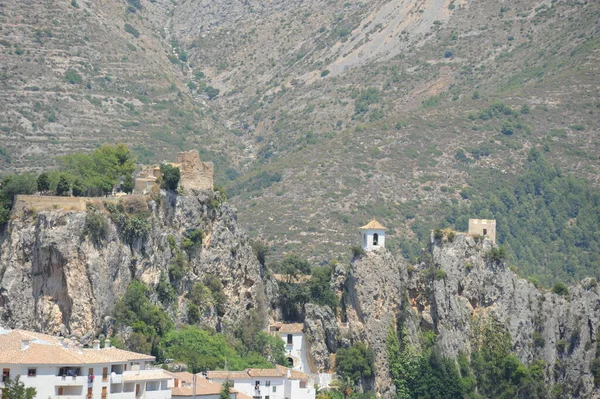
(560, 288)
(73, 77)
(131, 30)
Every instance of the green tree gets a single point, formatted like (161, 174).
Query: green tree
(560, 288)
(355, 362)
(63, 187)
(225, 391)
(43, 182)
(170, 177)
(15, 389)
(128, 184)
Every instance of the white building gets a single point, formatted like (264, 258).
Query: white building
(373, 236)
(60, 368)
(295, 346)
(277, 383)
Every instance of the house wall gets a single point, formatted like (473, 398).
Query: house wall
(297, 351)
(47, 382)
(301, 393)
(367, 239)
(246, 387)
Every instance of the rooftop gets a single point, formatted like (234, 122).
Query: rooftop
(278, 371)
(28, 347)
(373, 225)
(286, 328)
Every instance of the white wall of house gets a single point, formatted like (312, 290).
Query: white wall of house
(300, 390)
(49, 382)
(269, 387)
(296, 350)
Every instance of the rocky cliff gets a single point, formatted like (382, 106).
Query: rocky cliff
(57, 272)
(459, 285)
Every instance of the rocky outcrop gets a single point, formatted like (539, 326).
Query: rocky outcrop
(458, 285)
(375, 295)
(53, 273)
(321, 327)
(471, 285)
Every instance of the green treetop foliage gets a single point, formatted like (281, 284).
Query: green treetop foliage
(15, 389)
(169, 177)
(201, 350)
(355, 362)
(548, 222)
(12, 185)
(225, 391)
(294, 292)
(149, 322)
(492, 372)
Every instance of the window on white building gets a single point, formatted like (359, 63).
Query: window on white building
(5, 374)
(267, 383)
(302, 384)
(31, 372)
(274, 388)
(290, 339)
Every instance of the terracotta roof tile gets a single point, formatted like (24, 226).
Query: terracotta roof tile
(265, 373)
(47, 349)
(294, 374)
(287, 328)
(184, 376)
(228, 375)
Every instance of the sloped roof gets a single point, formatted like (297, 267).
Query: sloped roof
(287, 328)
(294, 374)
(184, 376)
(47, 349)
(373, 225)
(228, 375)
(265, 373)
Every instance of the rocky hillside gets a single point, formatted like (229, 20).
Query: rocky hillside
(309, 101)
(64, 270)
(459, 288)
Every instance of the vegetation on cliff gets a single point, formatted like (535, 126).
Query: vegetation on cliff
(78, 174)
(153, 332)
(548, 222)
(491, 371)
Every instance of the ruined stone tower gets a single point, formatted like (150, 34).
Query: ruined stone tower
(483, 227)
(195, 174)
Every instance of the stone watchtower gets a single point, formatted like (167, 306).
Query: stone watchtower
(373, 236)
(483, 227)
(194, 173)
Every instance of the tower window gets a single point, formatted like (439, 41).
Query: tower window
(375, 239)
(485, 232)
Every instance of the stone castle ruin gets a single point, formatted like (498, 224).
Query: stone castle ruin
(195, 174)
(483, 227)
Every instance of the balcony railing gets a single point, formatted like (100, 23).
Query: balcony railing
(116, 378)
(70, 380)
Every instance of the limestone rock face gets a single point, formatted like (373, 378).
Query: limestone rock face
(559, 330)
(53, 276)
(459, 284)
(321, 326)
(375, 294)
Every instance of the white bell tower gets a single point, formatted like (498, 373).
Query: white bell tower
(373, 236)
